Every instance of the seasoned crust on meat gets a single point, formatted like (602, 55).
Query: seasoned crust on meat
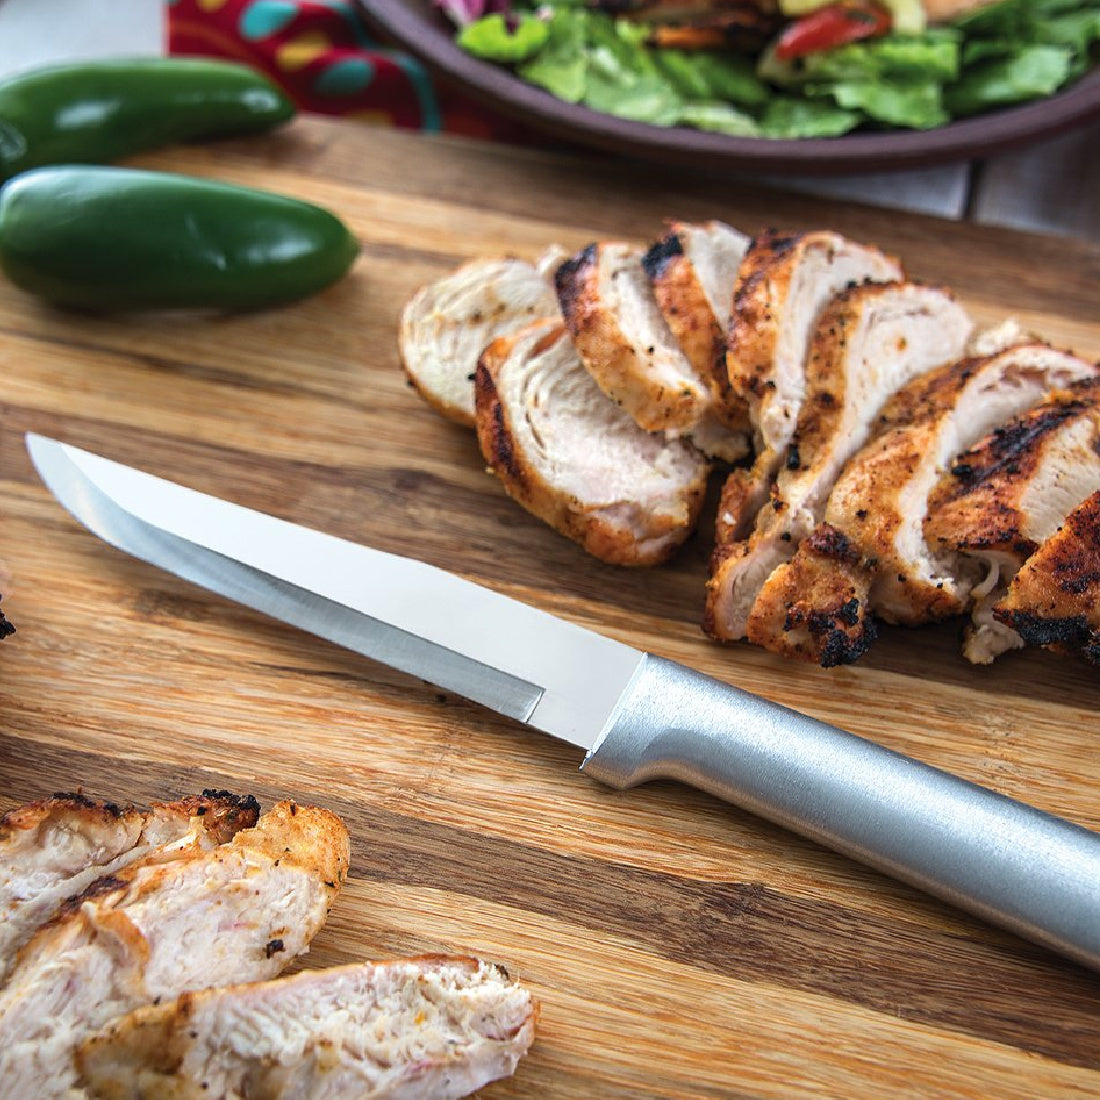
(240, 911)
(433, 1027)
(879, 502)
(785, 282)
(627, 347)
(819, 605)
(1007, 495)
(1054, 600)
(692, 270)
(612, 316)
(1013, 488)
(575, 460)
(447, 324)
(53, 849)
(869, 342)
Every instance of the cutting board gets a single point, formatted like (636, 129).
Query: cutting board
(679, 947)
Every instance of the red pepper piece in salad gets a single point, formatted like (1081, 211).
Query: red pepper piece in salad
(831, 26)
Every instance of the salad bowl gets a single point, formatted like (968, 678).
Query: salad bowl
(419, 28)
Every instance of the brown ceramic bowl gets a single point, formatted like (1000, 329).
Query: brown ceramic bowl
(424, 33)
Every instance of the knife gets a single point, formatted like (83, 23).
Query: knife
(636, 716)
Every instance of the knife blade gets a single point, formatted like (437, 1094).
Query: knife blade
(636, 715)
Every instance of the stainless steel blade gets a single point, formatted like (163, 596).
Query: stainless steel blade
(563, 679)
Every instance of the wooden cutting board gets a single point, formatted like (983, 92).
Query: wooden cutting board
(679, 947)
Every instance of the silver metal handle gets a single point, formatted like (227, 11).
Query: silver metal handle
(1012, 864)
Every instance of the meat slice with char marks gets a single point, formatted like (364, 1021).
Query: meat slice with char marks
(744, 26)
(815, 607)
(238, 912)
(626, 345)
(1054, 600)
(745, 29)
(576, 460)
(870, 341)
(1006, 496)
(447, 324)
(875, 514)
(54, 848)
(785, 282)
(692, 270)
(433, 1027)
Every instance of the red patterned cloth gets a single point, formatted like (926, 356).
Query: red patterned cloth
(320, 52)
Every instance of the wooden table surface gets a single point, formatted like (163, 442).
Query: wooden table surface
(679, 947)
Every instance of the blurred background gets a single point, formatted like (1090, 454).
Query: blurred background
(327, 58)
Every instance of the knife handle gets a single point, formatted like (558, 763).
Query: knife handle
(1014, 865)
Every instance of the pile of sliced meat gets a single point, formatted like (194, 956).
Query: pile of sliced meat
(141, 954)
(882, 459)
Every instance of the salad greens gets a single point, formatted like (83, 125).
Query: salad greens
(493, 39)
(1006, 52)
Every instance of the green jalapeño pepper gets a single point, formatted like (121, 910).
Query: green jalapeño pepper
(98, 111)
(120, 239)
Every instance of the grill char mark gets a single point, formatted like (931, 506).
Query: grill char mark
(661, 254)
(569, 282)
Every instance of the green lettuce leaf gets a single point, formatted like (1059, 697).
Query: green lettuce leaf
(981, 49)
(917, 105)
(1076, 30)
(620, 43)
(933, 55)
(1044, 9)
(719, 118)
(641, 97)
(1010, 19)
(561, 65)
(787, 117)
(492, 39)
(722, 76)
(622, 77)
(1031, 72)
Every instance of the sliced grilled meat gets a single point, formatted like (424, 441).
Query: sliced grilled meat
(816, 605)
(433, 1027)
(53, 849)
(239, 912)
(870, 341)
(576, 460)
(626, 345)
(447, 324)
(1054, 600)
(6, 628)
(785, 282)
(878, 504)
(881, 501)
(1006, 496)
(744, 26)
(692, 270)
(746, 30)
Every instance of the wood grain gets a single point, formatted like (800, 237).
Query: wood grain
(680, 948)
